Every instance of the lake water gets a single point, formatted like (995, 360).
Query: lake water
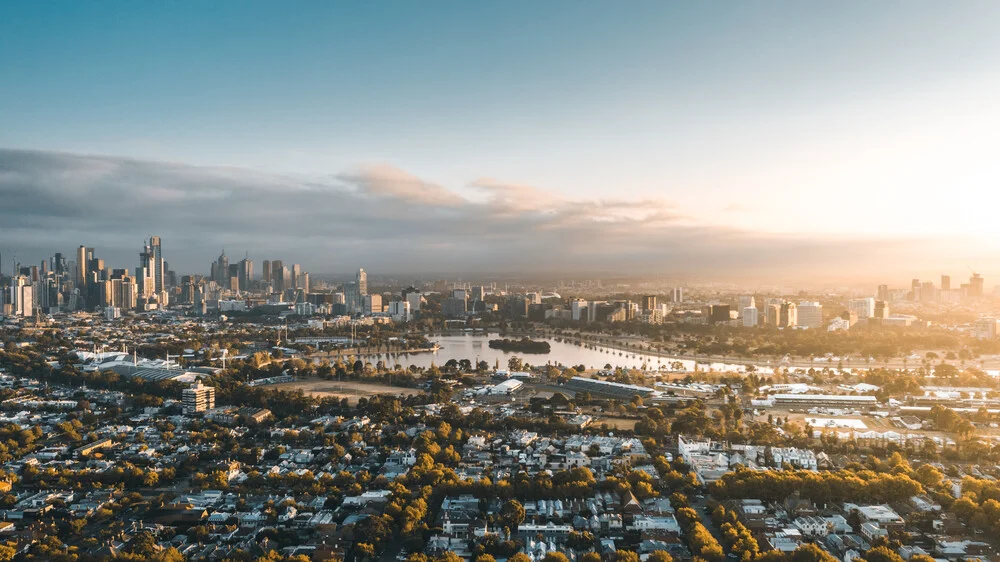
(476, 348)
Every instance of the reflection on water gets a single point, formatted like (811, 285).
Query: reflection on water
(476, 348)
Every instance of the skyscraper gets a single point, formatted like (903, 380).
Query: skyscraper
(278, 276)
(220, 269)
(159, 275)
(362, 282)
(945, 283)
(265, 271)
(81, 266)
(246, 273)
(976, 285)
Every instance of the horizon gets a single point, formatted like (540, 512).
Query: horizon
(771, 141)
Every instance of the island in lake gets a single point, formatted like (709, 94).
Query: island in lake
(523, 345)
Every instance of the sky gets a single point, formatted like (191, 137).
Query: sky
(559, 137)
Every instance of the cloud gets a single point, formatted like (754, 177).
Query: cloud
(388, 181)
(379, 217)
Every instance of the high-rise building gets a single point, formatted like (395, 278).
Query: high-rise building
(81, 266)
(478, 293)
(579, 309)
(362, 282)
(746, 301)
(296, 276)
(278, 276)
(677, 295)
(198, 398)
(883, 293)
(159, 273)
(749, 315)
(22, 301)
(265, 271)
(649, 302)
(976, 286)
(413, 296)
(945, 283)
(810, 314)
(881, 309)
(789, 315)
(373, 304)
(772, 314)
(864, 308)
(245, 274)
(220, 269)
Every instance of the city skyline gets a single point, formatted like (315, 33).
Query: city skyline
(766, 140)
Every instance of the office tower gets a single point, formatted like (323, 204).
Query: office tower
(881, 309)
(810, 314)
(304, 282)
(863, 308)
(220, 269)
(296, 275)
(976, 285)
(400, 311)
(789, 315)
(198, 398)
(245, 273)
(21, 296)
(677, 295)
(373, 304)
(362, 282)
(414, 297)
(749, 315)
(578, 308)
(945, 283)
(81, 265)
(648, 303)
(915, 289)
(927, 292)
(883, 293)
(266, 271)
(44, 270)
(746, 301)
(457, 305)
(128, 296)
(278, 276)
(156, 260)
(478, 293)
(772, 314)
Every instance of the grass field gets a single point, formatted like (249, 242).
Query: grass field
(347, 389)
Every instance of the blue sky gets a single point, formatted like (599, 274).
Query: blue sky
(772, 118)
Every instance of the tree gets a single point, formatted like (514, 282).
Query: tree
(555, 557)
(519, 557)
(881, 554)
(809, 552)
(512, 513)
(515, 364)
(626, 556)
(143, 544)
(660, 556)
(590, 557)
(365, 550)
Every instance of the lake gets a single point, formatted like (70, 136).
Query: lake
(475, 347)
